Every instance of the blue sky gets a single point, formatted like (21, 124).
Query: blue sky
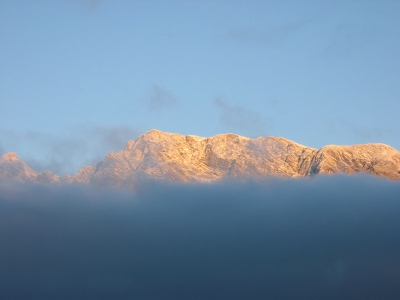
(80, 78)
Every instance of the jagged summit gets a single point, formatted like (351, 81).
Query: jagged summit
(14, 169)
(10, 156)
(189, 158)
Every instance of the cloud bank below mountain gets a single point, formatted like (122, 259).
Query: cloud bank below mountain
(328, 237)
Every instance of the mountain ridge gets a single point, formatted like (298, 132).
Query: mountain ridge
(190, 158)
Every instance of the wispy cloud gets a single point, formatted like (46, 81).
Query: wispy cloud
(68, 152)
(361, 134)
(329, 237)
(345, 39)
(242, 119)
(160, 99)
(89, 5)
(273, 37)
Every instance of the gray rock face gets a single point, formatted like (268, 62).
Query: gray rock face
(174, 157)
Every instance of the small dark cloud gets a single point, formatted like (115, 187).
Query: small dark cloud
(327, 237)
(160, 99)
(114, 137)
(273, 37)
(345, 39)
(242, 119)
(89, 5)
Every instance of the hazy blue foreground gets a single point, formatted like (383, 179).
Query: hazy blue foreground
(334, 237)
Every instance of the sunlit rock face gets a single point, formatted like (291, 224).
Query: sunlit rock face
(378, 159)
(14, 169)
(175, 157)
(178, 158)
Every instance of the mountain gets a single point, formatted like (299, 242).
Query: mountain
(14, 169)
(179, 158)
(174, 157)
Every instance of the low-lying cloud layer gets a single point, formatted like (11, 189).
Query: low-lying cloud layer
(334, 237)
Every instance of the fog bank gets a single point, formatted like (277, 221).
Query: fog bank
(333, 237)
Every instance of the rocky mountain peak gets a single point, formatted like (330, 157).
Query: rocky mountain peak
(174, 157)
(156, 134)
(10, 156)
(14, 169)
